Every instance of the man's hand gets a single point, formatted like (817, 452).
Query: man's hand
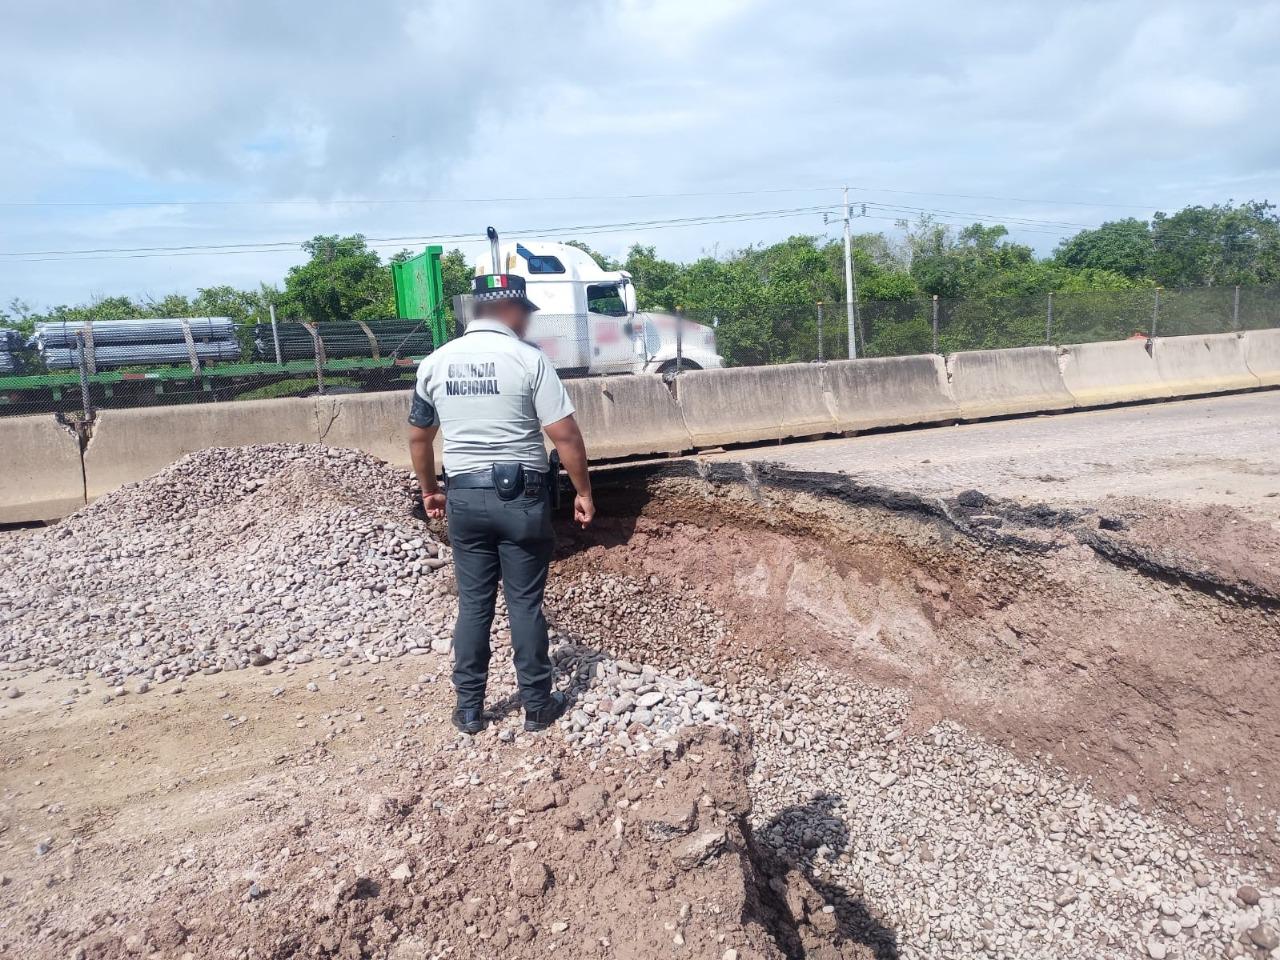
(566, 436)
(433, 503)
(424, 467)
(584, 509)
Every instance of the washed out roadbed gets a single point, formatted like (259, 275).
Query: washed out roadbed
(810, 718)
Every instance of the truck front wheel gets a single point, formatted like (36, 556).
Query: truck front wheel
(670, 366)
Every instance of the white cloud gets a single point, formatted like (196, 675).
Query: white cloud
(1117, 102)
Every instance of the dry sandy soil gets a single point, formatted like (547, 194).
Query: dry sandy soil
(247, 816)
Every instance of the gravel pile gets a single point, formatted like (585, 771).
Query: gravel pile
(665, 623)
(229, 558)
(615, 704)
(236, 558)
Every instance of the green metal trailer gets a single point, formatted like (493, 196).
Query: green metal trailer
(419, 292)
(419, 286)
(63, 391)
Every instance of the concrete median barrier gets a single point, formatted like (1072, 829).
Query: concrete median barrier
(40, 473)
(995, 383)
(619, 417)
(889, 392)
(377, 423)
(129, 445)
(748, 404)
(1190, 366)
(43, 474)
(1121, 371)
(1262, 356)
(628, 416)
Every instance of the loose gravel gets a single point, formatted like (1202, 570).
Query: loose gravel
(941, 844)
(973, 852)
(239, 558)
(228, 559)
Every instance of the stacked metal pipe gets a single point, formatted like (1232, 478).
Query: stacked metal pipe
(122, 343)
(401, 338)
(10, 345)
(142, 354)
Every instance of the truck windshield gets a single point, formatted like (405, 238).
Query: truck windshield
(544, 265)
(606, 298)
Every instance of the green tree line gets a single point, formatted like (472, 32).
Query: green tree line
(763, 299)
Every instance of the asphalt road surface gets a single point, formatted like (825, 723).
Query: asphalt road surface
(1222, 450)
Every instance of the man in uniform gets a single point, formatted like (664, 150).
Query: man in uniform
(492, 394)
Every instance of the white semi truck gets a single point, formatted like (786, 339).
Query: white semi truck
(587, 320)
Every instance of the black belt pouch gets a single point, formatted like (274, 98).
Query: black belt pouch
(508, 480)
(553, 477)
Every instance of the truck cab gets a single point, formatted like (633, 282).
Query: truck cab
(587, 320)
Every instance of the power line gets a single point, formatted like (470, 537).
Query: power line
(1167, 238)
(961, 219)
(945, 216)
(888, 217)
(289, 246)
(1029, 221)
(269, 246)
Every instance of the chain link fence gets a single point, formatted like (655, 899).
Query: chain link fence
(76, 368)
(751, 336)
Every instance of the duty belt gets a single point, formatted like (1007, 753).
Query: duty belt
(534, 481)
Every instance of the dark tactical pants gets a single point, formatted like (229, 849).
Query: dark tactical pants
(512, 539)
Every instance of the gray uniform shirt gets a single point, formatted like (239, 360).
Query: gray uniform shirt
(491, 394)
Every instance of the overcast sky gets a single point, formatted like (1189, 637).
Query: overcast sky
(213, 122)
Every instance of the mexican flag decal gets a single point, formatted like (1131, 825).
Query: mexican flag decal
(497, 280)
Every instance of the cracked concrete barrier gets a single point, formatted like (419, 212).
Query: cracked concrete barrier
(628, 416)
(747, 404)
(41, 477)
(377, 423)
(995, 383)
(1120, 371)
(128, 445)
(890, 392)
(1262, 356)
(1212, 363)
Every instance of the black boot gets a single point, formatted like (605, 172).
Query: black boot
(469, 720)
(535, 720)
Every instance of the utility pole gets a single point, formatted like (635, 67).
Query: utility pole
(849, 288)
(275, 333)
(819, 331)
